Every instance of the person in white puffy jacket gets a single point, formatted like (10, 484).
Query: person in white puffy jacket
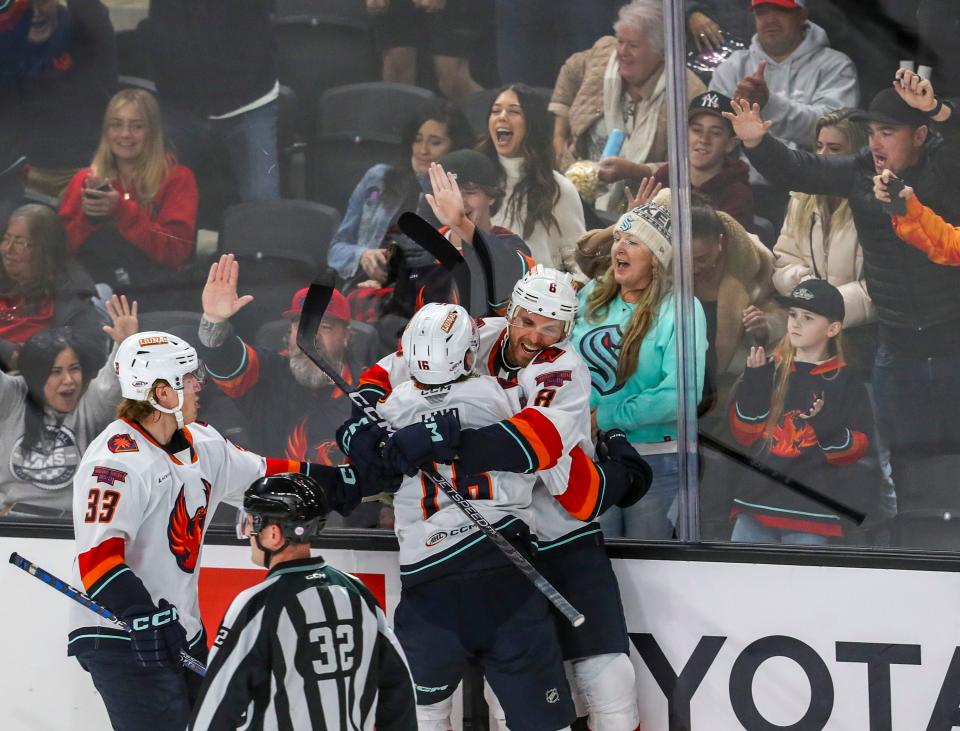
(819, 240)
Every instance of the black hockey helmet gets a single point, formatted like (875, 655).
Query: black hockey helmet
(291, 500)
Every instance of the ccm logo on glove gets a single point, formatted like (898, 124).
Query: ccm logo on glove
(158, 619)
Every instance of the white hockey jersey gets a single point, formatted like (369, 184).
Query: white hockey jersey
(138, 508)
(430, 528)
(554, 420)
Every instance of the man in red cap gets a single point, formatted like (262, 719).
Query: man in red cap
(292, 407)
(790, 71)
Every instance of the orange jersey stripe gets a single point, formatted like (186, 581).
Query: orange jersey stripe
(99, 560)
(856, 451)
(241, 383)
(375, 375)
(276, 466)
(582, 495)
(541, 435)
(745, 432)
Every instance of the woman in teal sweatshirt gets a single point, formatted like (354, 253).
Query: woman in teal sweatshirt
(626, 333)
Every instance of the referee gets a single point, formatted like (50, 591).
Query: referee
(308, 648)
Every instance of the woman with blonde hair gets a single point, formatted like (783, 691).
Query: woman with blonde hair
(626, 333)
(131, 216)
(819, 241)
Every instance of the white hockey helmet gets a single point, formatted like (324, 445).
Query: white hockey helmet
(147, 357)
(437, 341)
(547, 292)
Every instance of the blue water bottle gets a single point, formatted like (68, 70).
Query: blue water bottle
(614, 143)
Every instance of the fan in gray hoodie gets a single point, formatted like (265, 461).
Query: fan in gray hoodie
(790, 70)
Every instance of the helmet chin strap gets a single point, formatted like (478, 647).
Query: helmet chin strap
(267, 553)
(176, 411)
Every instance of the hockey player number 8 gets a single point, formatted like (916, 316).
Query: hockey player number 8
(334, 647)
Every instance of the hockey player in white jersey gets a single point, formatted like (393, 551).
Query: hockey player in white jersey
(550, 435)
(308, 647)
(460, 596)
(142, 496)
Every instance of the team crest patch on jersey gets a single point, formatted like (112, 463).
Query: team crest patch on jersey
(109, 476)
(120, 443)
(554, 379)
(548, 355)
(185, 531)
(153, 340)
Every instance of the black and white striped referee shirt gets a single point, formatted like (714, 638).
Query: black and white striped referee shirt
(308, 648)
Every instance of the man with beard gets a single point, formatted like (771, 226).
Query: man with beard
(291, 406)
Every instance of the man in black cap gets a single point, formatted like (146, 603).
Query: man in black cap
(917, 301)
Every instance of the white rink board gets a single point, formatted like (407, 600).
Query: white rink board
(675, 603)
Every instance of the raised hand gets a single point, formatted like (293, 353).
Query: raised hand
(757, 357)
(747, 123)
(219, 297)
(446, 201)
(880, 190)
(755, 324)
(706, 33)
(123, 318)
(914, 90)
(753, 87)
(645, 193)
(815, 408)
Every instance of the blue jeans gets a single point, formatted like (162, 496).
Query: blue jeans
(140, 698)
(917, 402)
(648, 519)
(748, 530)
(250, 140)
(528, 52)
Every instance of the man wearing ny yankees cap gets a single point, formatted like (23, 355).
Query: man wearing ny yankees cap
(716, 172)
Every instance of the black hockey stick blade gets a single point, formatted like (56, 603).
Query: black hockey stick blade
(422, 233)
(788, 482)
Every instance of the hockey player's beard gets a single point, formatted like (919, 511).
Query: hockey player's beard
(306, 374)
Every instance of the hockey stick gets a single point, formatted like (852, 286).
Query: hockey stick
(79, 597)
(446, 253)
(788, 482)
(422, 233)
(315, 304)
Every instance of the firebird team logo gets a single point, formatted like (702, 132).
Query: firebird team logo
(119, 443)
(185, 532)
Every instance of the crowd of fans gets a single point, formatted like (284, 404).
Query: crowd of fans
(826, 292)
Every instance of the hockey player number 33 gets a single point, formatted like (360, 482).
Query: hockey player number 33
(101, 505)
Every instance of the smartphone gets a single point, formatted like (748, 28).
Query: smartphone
(897, 205)
(103, 188)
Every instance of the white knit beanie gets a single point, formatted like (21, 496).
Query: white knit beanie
(650, 223)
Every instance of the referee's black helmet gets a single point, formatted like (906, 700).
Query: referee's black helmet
(291, 500)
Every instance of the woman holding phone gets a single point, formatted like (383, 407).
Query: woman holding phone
(131, 216)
